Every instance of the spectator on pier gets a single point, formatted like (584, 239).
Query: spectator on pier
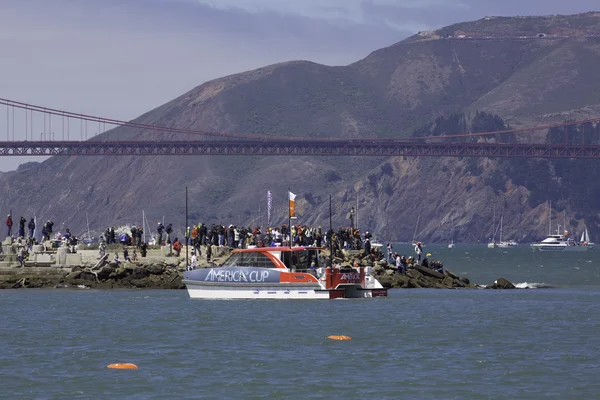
(194, 264)
(177, 247)
(133, 235)
(49, 225)
(9, 224)
(169, 230)
(400, 265)
(139, 233)
(22, 256)
(31, 227)
(22, 222)
(418, 251)
(159, 232)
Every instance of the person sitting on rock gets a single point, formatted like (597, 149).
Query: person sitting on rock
(194, 264)
(134, 256)
(177, 247)
(126, 255)
(117, 261)
(425, 262)
(144, 249)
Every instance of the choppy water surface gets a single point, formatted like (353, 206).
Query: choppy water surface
(477, 344)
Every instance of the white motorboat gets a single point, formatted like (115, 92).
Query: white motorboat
(558, 243)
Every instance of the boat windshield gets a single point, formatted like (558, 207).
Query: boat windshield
(251, 259)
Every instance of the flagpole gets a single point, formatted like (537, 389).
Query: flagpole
(186, 229)
(330, 245)
(290, 217)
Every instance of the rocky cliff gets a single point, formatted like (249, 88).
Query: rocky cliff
(503, 66)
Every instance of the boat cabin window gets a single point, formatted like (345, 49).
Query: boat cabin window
(258, 260)
(300, 260)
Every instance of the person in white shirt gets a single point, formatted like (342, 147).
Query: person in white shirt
(194, 263)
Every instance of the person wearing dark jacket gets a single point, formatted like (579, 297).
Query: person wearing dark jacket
(22, 222)
(31, 227)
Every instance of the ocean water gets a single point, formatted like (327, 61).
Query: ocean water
(442, 344)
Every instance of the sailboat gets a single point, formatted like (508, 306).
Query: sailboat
(451, 244)
(414, 241)
(504, 244)
(493, 244)
(585, 238)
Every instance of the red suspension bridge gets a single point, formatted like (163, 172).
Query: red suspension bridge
(42, 126)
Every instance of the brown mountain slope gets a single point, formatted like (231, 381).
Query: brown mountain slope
(389, 93)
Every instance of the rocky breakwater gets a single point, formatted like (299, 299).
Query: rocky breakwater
(417, 276)
(160, 270)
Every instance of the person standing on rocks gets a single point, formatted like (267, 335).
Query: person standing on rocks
(144, 249)
(31, 227)
(194, 263)
(9, 224)
(22, 222)
(418, 251)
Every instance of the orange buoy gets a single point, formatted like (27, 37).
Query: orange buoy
(339, 337)
(122, 366)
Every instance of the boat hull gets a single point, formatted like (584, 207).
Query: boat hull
(202, 290)
(558, 248)
(261, 283)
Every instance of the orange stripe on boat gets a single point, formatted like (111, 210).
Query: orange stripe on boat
(339, 337)
(122, 366)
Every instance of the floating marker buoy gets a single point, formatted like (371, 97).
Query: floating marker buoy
(339, 337)
(122, 366)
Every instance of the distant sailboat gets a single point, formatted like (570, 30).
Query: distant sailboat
(493, 244)
(451, 244)
(585, 238)
(414, 241)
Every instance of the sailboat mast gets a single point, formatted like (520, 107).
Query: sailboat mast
(550, 219)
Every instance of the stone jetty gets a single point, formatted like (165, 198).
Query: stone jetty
(48, 267)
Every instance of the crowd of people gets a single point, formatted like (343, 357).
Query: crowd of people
(402, 261)
(230, 236)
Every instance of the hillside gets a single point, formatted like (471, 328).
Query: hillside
(394, 91)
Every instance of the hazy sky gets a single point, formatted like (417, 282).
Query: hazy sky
(120, 58)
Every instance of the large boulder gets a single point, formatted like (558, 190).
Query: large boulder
(429, 272)
(502, 283)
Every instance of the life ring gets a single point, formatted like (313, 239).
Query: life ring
(122, 366)
(339, 337)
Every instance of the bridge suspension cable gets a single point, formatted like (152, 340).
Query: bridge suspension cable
(102, 121)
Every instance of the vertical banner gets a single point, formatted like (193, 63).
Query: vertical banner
(269, 205)
(292, 204)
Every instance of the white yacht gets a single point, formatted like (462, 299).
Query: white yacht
(558, 243)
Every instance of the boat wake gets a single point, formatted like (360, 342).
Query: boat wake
(533, 285)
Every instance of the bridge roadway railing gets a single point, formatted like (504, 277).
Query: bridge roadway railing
(305, 147)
